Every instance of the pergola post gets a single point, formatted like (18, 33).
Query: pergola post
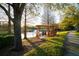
(50, 32)
(37, 33)
(55, 31)
(47, 31)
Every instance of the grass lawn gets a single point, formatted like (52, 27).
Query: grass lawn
(76, 33)
(52, 46)
(62, 33)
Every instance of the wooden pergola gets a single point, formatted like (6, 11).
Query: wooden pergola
(51, 30)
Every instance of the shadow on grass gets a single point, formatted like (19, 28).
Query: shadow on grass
(39, 50)
(45, 51)
(35, 45)
(9, 52)
(52, 42)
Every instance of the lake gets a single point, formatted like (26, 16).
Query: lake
(30, 34)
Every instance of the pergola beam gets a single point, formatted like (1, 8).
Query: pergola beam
(49, 33)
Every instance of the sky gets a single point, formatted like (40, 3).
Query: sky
(38, 20)
(31, 22)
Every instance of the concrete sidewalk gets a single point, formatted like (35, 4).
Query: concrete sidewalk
(72, 45)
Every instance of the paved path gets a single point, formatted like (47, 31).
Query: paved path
(72, 45)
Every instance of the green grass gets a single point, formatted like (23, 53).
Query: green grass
(51, 47)
(48, 48)
(62, 33)
(76, 33)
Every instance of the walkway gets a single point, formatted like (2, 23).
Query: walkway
(72, 45)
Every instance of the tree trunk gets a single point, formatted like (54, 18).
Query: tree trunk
(9, 21)
(17, 26)
(25, 28)
(17, 35)
(25, 31)
(9, 26)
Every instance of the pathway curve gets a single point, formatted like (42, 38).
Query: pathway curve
(72, 45)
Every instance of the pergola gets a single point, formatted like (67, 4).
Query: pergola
(51, 30)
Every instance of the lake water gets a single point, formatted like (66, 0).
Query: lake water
(30, 34)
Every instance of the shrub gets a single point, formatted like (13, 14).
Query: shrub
(3, 33)
(49, 48)
(6, 41)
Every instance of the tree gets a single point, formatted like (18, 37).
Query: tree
(48, 16)
(33, 12)
(9, 21)
(67, 24)
(17, 11)
(25, 30)
(71, 17)
(49, 9)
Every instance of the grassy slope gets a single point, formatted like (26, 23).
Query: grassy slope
(51, 47)
(76, 33)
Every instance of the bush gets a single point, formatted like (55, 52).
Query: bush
(51, 47)
(6, 41)
(3, 33)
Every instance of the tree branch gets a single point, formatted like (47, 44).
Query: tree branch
(22, 6)
(10, 4)
(7, 13)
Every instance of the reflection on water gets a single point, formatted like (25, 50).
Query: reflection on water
(30, 34)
